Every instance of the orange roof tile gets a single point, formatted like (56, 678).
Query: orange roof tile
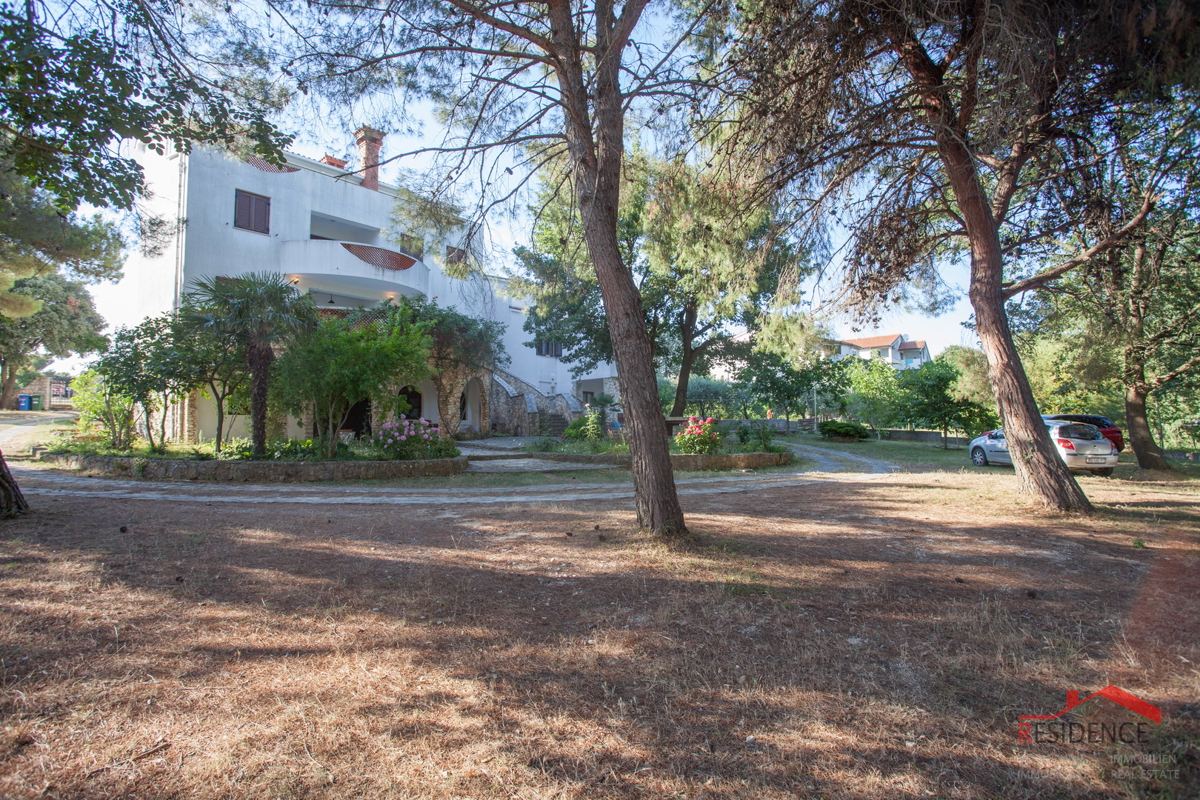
(913, 345)
(872, 341)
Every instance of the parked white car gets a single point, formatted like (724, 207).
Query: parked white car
(1082, 447)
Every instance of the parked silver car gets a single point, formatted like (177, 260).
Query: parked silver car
(1081, 447)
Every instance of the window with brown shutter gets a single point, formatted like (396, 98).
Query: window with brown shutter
(252, 212)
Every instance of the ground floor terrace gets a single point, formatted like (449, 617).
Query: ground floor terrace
(843, 630)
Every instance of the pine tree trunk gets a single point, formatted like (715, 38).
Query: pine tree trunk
(259, 358)
(1040, 470)
(1141, 439)
(12, 502)
(594, 116)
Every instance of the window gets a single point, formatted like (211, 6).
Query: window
(589, 396)
(548, 348)
(455, 255)
(252, 212)
(413, 245)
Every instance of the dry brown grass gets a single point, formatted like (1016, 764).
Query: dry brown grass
(843, 640)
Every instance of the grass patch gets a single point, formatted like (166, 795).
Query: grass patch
(913, 456)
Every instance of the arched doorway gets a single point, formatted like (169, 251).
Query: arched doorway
(359, 419)
(413, 398)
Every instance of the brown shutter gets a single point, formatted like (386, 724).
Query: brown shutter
(262, 214)
(252, 212)
(242, 214)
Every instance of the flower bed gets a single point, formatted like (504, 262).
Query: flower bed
(684, 462)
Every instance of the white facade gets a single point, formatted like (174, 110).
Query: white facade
(897, 350)
(332, 235)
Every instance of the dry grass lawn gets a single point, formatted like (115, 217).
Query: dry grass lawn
(864, 638)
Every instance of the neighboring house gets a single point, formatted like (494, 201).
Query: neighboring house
(897, 350)
(332, 232)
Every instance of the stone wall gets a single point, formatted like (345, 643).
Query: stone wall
(43, 385)
(259, 471)
(515, 404)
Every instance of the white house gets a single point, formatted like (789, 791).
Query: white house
(898, 350)
(333, 234)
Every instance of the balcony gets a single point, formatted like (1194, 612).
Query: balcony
(353, 270)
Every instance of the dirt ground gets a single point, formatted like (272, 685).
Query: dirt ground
(857, 638)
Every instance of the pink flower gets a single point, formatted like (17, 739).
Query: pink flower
(427, 437)
(402, 438)
(708, 421)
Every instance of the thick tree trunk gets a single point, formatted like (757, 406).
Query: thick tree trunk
(1149, 454)
(12, 502)
(259, 358)
(594, 116)
(685, 375)
(8, 385)
(1040, 470)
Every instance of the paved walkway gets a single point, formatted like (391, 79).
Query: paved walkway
(828, 466)
(489, 455)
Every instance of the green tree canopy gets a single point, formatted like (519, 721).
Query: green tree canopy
(37, 238)
(79, 78)
(929, 398)
(66, 324)
(330, 368)
(252, 312)
(703, 272)
(460, 347)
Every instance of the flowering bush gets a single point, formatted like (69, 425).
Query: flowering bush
(698, 438)
(407, 439)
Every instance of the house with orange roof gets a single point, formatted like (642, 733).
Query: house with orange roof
(896, 349)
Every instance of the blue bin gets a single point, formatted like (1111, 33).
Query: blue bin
(22, 402)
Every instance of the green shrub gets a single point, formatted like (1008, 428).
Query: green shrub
(755, 435)
(833, 429)
(589, 427)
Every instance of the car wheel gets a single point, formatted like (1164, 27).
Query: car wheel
(1103, 473)
(978, 457)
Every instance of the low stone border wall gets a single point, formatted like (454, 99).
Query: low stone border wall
(258, 471)
(682, 462)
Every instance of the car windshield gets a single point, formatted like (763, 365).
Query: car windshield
(1084, 432)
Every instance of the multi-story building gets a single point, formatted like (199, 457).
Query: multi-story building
(332, 232)
(897, 350)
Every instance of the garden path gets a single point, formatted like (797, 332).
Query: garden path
(828, 466)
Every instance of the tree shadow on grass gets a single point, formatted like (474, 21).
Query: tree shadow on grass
(612, 671)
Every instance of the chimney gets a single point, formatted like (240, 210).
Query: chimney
(336, 163)
(370, 141)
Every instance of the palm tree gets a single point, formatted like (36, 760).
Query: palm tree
(255, 311)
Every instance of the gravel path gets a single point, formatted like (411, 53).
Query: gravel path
(42, 483)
